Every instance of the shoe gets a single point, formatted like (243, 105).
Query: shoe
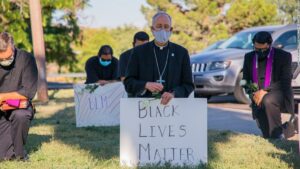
(25, 157)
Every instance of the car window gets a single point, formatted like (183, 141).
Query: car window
(242, 40)
(213, 46)
(287, 40)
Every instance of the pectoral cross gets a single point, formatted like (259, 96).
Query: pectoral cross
(160, 80)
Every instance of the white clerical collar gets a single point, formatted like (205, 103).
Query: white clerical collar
(161, 47)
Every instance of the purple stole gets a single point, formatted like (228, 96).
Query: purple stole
(268, 73)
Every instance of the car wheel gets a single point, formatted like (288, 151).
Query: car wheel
(239, 92)
(198, 95)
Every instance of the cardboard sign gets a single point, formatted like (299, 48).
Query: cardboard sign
(97, 105)
(155, 134)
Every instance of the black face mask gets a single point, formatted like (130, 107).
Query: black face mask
(262, 54)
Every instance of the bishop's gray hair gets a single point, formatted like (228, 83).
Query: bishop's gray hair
(6, 40)
(159, 14)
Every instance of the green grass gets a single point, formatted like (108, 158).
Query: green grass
(55, 142)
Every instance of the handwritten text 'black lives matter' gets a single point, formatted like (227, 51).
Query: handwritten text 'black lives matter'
(147, 111)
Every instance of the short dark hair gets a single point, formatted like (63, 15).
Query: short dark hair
(5, 40)
(142, 36)
(104, 50)
(262, 37)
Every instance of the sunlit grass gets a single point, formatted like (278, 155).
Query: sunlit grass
(55, 142)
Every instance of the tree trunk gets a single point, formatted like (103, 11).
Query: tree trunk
(39, 48)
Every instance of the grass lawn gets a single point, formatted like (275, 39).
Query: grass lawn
(55, 142)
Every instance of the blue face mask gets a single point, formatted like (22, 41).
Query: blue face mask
(162, 36)
(104, 63)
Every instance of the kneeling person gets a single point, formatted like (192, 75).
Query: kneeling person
(159, 68)
(139, 38)
(102, 69)
(270, 69)
(18, 72)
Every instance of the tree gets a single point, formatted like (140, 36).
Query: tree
(58, 35)
(39, 48)
(198, 23)
(248, 13)
(120, 39)
(287, 10)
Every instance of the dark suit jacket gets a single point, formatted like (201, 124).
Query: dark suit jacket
(281, 76)
(141, 69)
(123, 62)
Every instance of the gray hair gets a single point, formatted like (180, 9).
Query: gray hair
(159, 13)
(6, 40)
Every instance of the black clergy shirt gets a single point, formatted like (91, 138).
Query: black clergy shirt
(261, 72)
(95, 71)
(123, 63)
(281, 79)
(161, 56)
(142, 68)
(21, 76)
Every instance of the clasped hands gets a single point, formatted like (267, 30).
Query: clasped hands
(158, 87)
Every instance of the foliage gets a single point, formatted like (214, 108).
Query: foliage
(90, 87)
(287, 10)
(191, 27)
(244, 14)
(120, 39)
(59, 33)
(198, 23)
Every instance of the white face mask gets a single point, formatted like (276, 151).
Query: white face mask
(162, 36)
(7, 62)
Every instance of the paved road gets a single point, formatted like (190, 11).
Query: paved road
(224, 113)
(57, 85)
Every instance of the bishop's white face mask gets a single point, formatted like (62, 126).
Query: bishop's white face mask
(8, 61)
(162, 36)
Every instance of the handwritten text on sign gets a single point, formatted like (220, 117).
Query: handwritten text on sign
(153, 133)
(98, 105)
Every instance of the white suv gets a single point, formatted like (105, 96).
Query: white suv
(219, 71)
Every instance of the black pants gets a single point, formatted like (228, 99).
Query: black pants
(14, 126)
(269, 116)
